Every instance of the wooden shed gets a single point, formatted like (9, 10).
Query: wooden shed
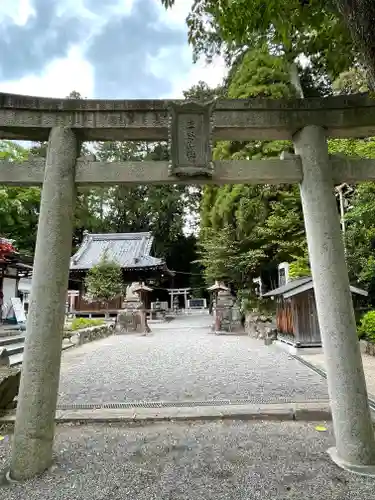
(296, 315)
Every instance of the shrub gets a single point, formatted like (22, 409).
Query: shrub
(79, 323)
(104, 281)
(366, 327)
(299, 267)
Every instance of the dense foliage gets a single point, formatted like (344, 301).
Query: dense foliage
(19, 206)
(332, 34)
(104, 281)
(246, 230)
(366, 327)
(79, 323)
(168, 211)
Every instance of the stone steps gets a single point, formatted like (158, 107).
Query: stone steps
(16, 359)
(6, 332)
(14, 339)
(14, 347)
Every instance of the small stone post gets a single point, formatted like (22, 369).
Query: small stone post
(355, 445)
(34, 428)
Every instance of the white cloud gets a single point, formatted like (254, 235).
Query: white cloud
(73, 72)
(59, 78)
(161, 65)
(18, 11)
(175, 16)
(213, 74)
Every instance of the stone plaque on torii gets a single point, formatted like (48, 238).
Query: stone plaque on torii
(190, 138)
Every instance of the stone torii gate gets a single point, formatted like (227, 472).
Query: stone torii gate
(190, 128)
(174, 292)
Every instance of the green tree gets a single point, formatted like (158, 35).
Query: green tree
(333, 33)
(360, 236)
(246, 230)
(350, 82)
(104, 282)
(360, 214)
(359, 17)
(19, 206)
(291, 28)
(201, 91)
(156, 208)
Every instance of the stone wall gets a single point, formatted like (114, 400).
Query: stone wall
(260, 326)
(367, 347)
(91, 333)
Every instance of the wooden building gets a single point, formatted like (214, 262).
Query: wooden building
(296, 314)
(132, 251)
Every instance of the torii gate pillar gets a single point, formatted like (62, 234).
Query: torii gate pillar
(35, 418)
(355, 444)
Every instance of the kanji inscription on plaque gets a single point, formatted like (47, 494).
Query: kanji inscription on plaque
(190, 138)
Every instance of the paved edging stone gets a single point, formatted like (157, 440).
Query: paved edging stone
(320, 371)
(275, 412)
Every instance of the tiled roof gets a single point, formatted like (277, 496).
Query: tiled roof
(288, 286)
(129, 250)
(300, 285)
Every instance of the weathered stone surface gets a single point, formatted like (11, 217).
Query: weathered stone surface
(259, 326)
(4, 357)
(93, 333)
(91, 172)
(132, 321)
(34, 429)
(345, 376)
(9, 385)
(190, 138)
(27, 117)
(363, 346)
(367, 347)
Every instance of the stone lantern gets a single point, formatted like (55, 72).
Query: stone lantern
(134, 306)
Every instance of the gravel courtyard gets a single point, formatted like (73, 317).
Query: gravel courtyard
(198, 461)
(182, 360)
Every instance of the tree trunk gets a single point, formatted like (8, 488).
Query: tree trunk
(359, 16)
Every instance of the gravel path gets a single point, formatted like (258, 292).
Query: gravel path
(182, 360)
(219, 461)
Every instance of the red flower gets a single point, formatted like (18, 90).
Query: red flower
(5, 249)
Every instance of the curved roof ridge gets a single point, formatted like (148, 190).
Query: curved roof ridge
(129, 250)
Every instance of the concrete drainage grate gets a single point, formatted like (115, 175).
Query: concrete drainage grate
(168, 404)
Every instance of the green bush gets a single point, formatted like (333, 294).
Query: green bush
(366, 327)
(299, 267)
(79, 323)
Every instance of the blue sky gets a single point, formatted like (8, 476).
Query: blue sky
(124, 49)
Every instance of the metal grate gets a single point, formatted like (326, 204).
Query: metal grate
(172, 404)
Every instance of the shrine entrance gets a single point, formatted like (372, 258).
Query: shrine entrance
(174, 294)
(190, 128)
